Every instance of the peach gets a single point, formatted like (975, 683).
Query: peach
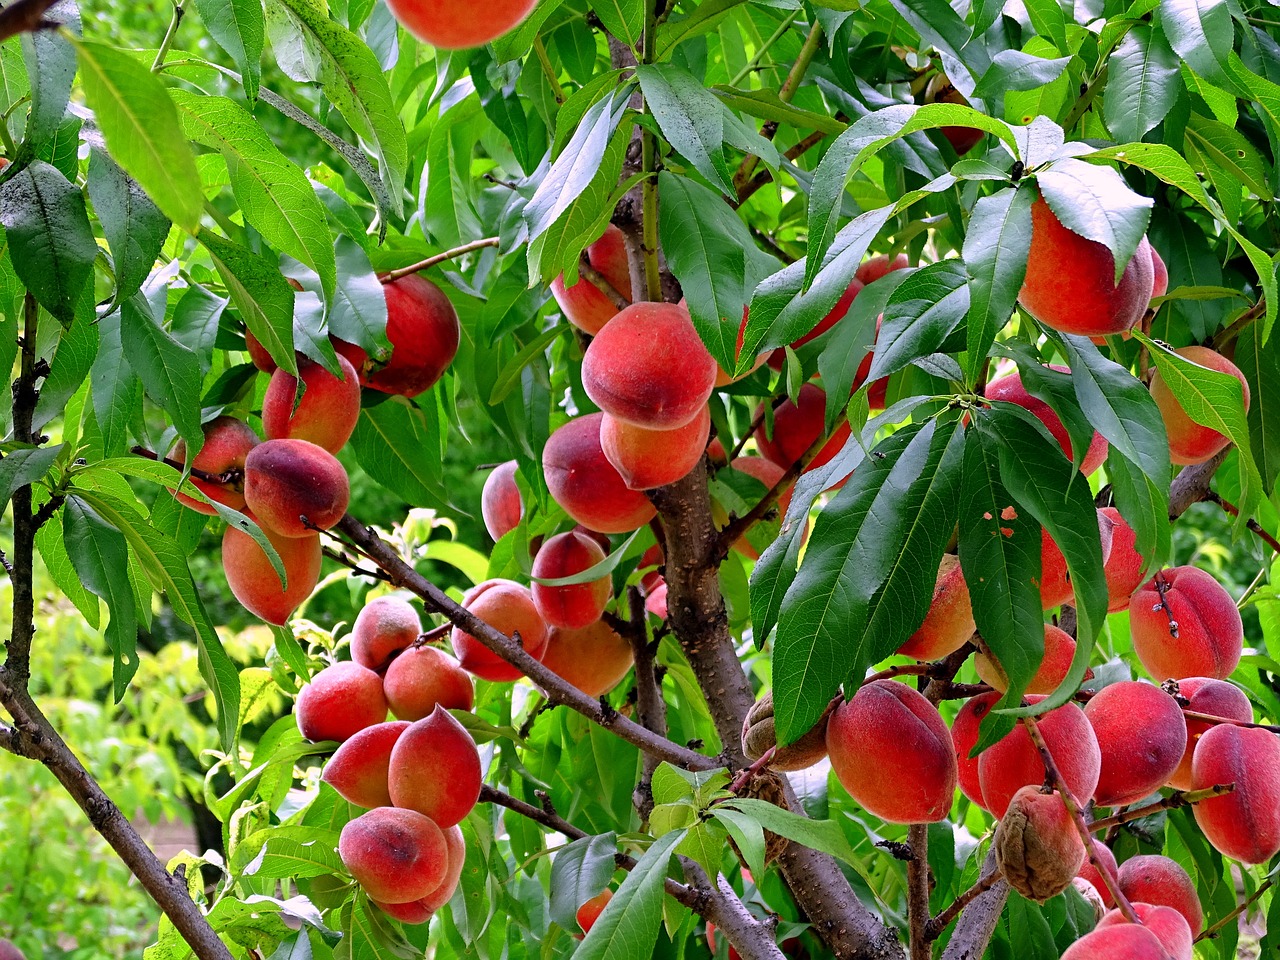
(1011, 390)
(1070, 282)
(655, 601)
(590, 911)
(1168, 925)
(583, 481)
(1191, 442)
(768, 473)
(508, 607)
(1127, 941)
(1142, 735)
(327, 413)
(1216, 698)
(253, 580)
(962, 139)
(880, 389)
(384, 626)
(8, 951)
(838, 313)
(424, 332)
(1244, 824)
(1160, 280)
(723, 377)
(1089, 871)
(1055, 579)
(649, 367)
(287, 480)
(261, 358)
(1124, 566)
(1059, 648)
(964, 737)
(872, 269)
(891, 750)
(420, 911)
(1209, 632)
(227, 441)
(949, 623)
(1160, 881)
(647, 459)
(500, 503)
(435, 769)
(593, 658)
(358, 768)
(397, 856)
(1013, 761)
(760, 735)
(797, 426)
(340, 701)
(1038, 848)
(423, 677)
(584, 304)
(576, 605)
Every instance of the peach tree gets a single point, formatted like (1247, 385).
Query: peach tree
(852, 366)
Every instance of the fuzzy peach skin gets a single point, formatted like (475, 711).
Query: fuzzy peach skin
(873, 268)
(422, 678)
(576, 605)
(1217, 698)
(500, 503)
(1055, 580)
(1142, 735)
(1191, 442)
(358, 768)
(796, 427)
(1011, 390)
(420, 911)
(1124, 566)
(593, 658)
(397, 856)
(1244, 824)
(424, 333)
(583, 481)
(327, 413)
(287, 480)
(227, 441)
(1125, 942)
(508, 607)
(890, 748)
(254, 581)
(1210, 633)
(590, 911)
(1160, 881)
(1070, 281)
(1169, 926)
(964, 737)
(340, 701)
(384, 626)
(1059, 648)
(647, 459)
(949, 623)
(1013, 762)
(584, 304)
(435, 770)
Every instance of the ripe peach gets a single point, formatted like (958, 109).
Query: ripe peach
(358, 768)
(1059, 648)
(583, 304)
(891, 750)
(576, 605)
(962, 139)
(964, 737)
(327, 413)
(1159, 881)
(583, 481)
(1142, 735)
(1124, 566)
(398, 856)
(435, 769)
(1037, 845)
(1168, 925)
(1070, 282)
(1127, 941)
(253, 580)
(1217, 698)
(1011, 390)
(421, 911)
(1013, 761)
(1055, 579)
(423, 329)
(880, 389)
(1091, 873)
(796, 427)
(286, 480)
(1210, 633)
(949, 623)
(711, 943)
(655, 601)
(649, 367)
(500, 503)
(1244, 824)
(340, 701)
(590, 911)
(227, 441)
(594, 658)
(384, 626)
(646, 459)
(7, 949)
(871, 270)
(1191, 442)
(261, 358)
(508, 607)
(837, 313)
(768, 473)
(1160, 280)
(423, 677)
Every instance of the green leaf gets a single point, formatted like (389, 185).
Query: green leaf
(1046, 16)
(580, 871)
(691, 120)
(77, 346)
(50, 541)
(393, 444)
(170, 373)
(1142, 84)
(101, 559)
(283, 853)
(1229, 150)
(920, 315)
(261, 294)
(823, 835)
(995, 257)
(938, 24)
(50, 241)
(622, 18)
(1096, 203)
(1014, 70)
(628, 927)
(237, 26)
(704, 843)
(140, 125)
(767, 105)
(117, 394)
(1261, 367)
(747, 834)
(51, 67)
(22, 467)
(274, 195)
(359, 311)
(1200, 32)
(133, 225)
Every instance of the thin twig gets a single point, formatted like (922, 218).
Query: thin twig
(1210, 933)
(938, 924)
(1251, 523)
(764, 176)
(233, 477)
(601, 283)
(1180, 799)
(393, 275)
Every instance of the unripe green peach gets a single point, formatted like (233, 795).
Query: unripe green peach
(435, 770)
(358, 768)
(1059, 648)
(1244, 824)
(1010, 389)
(1168, 925)
(1216, 698)
(647, 459)
(227, 441)
(287, 480)
(583, 481)
(593, 658)
(500, 503)
(964, 737)
(398, 856)
(254, 581)
(340, 701)
(1208, 638)
(949, 623)
(1038, 848)
(1013, 761)
(422, 678)
(1142, 735)
(384, 626)
(424, 332)
(1157, 880)
(1191, 442)
(576, 605)
(891, 750)
(508, 607)
(327, 413)
(584, 304)
(420, 911)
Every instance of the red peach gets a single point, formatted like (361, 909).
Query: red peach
(1127, 941)
(340, 701)
(577, 605)
(1091, 873)
(422, 678)
(424, 332)
(1013, 761)
(435, 770)
(584, 304)
(1142, 736)
(1160, 881)
(384, 626)
(583, 481)
(871, 270)
(594, 658)
(253, 580)
(500, 503)
(508, 607)
(964, 737)
(796, 427)
(1244, 824)
(1210, 633)
(590, 911)
(949, 623)
(1169, 926)
(1191, 442)
(1059, 648)
(398, 856)
(420, 911)
(287, 480)
(1160, 280)
(227, 441)
(1011, 390)
(358, 768)
(327, 413)
(647, 459)
(1124, 567)
(1055, 579)
(1217, 698)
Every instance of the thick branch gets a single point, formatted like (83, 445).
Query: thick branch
(918, 891)
(24, 16)
(978, 921)
(1191, 485)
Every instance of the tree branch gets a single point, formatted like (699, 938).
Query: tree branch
(392, 275)
(1191, 485)
(979, 918)
(938, 924)
(651, 709)
(1180, 799)
(24, 16)
(918, 891)
(764, 176)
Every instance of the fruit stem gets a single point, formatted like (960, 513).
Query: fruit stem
(397, 274)
(229, 478)
(1180, 799)
(158, 64)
